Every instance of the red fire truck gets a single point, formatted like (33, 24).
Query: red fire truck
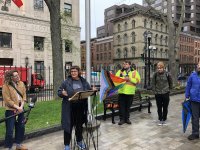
(33, 81)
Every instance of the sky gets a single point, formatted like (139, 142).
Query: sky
(97, 13)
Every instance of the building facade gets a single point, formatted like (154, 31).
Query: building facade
(25, 35)
(191, 23)
(130, 38)
(103, 56)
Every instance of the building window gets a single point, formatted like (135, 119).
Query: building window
(109, 56)
(118, 39)
(68, 9)
(133, 37)
(109, 46)
(119, 27)
(161, 27)
(68, 46)
(5, 40)
(125, 26)
(125, 39)
(39, 68)
(166, 40)
(118, 53)
(38, 5)
(156, 26)
(105, 56)
(38, 43)
(156, 39)
(133, 50)
(145, 23)
(125, 52)
(151, 24)
(133, 24)
(97, 56)
(161, 39)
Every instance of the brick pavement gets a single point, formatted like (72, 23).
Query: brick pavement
(143, 134)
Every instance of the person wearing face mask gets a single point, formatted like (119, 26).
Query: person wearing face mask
(161, 85)
(127, 92)
(192, 92)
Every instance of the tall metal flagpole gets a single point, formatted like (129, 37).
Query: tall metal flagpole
(88, 51)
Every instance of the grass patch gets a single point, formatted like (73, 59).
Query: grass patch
(45, 114)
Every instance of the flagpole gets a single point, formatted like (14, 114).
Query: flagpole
(88, 51)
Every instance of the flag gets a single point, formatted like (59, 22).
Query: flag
(19, 3)
(109, 84)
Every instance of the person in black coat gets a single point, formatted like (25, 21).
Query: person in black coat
(74, 114)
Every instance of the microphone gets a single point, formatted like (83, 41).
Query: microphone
(32, 103)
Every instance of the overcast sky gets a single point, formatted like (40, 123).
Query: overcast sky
(97, 13)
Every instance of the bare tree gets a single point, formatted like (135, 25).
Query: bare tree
(57, 52)
(173, 34)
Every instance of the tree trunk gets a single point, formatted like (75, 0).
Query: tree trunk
(171, 42)
(57, 52)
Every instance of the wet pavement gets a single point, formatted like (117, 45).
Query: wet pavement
(142, 134)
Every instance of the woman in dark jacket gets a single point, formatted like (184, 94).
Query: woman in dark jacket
(74, 114)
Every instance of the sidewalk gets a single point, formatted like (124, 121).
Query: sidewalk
(143, 134)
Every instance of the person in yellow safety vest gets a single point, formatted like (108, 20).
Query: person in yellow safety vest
(127, 92)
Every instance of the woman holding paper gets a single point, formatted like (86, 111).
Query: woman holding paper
(74, 114)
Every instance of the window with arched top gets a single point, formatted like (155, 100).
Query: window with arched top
(133, 24)
(118, 27)
(166, 29)
(118, 39)
(166, 40)
(133, 51)
(145, 23)
(161, 39)
(133, 37)
(156, 39)
(155, 53)
(125, 52)
(161, 53)
(156, 26)
(166, 53)
(161, 27)
(125, 38)
(118, 53)
(151, 24)
(125, 26)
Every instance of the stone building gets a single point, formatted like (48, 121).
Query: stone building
(25, 35)
(130, 37)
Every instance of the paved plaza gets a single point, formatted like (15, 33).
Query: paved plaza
(143, 134)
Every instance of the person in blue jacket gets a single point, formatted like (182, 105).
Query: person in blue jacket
(74, 114)
(192, 92)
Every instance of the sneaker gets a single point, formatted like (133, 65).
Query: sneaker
(81, 145)
(164, 123)
(128, 121)
(21, 147)
(160, 123)
(193, 137)
(67, 147)
(121, 122)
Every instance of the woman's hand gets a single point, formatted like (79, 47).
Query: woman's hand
(64, 93)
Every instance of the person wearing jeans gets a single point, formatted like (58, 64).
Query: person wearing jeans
(161, 85)
(14, 96)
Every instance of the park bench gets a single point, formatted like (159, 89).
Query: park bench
(111, 103)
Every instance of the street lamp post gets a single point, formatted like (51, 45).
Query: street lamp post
(145, 59)
(26, 63)
(149, 57)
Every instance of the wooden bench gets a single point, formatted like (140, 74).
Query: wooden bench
(111, 103)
